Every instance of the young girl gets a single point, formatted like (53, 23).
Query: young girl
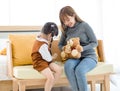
(76, 69)
(41, 55)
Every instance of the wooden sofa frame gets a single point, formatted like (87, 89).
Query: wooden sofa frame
(22, 84)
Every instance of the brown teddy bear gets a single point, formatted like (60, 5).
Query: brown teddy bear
(72, 49)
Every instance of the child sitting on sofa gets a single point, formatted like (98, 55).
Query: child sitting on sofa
(42, 57)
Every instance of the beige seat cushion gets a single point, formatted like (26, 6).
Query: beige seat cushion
(101, 68)
(27, 72)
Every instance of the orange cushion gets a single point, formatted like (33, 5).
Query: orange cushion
(55, 49)
(3, 51)
(21, 48)
(97, 54)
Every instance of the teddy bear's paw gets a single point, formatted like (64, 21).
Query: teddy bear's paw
(74, 53)
(63, 54)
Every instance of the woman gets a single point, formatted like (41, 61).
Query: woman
(76, 69)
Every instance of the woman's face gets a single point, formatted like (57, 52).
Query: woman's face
(69, 21)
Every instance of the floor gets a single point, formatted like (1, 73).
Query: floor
(112, 88)
(54, 89)
(65, 88)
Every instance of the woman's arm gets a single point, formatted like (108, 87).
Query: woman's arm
(92, 38)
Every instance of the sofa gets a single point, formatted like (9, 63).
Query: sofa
(25, 77)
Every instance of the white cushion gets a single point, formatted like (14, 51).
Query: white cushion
(101, 69)
(27, 72)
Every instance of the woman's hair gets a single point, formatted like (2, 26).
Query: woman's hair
(50, 27)
(67, 11)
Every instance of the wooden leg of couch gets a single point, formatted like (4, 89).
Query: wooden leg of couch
(101, 86)
(92, 84)
(107, 83)
(15, 85)
(21, 86)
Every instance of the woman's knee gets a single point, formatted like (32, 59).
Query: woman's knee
(70, 64)
(85, 66)
(79, 71)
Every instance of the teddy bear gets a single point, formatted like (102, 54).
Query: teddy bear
(72, 49)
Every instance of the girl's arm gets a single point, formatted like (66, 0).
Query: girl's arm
(45, 53)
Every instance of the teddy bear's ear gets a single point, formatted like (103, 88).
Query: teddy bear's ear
(79, 48)
(76, 39)
(71, 42)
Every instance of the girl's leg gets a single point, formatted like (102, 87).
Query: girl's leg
(50, 79)
(82, 68)
(57, 70)
(70, 66)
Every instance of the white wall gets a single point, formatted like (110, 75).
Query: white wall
(89, 10)
(111, 29)
(4, 12)
(37, 12)
(31, 12)
(111, 33)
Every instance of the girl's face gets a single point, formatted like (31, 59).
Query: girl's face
(69, 21)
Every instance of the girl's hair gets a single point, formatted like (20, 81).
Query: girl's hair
(50, 27)
(67, 11)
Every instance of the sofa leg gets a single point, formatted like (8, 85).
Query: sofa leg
(21, 87)
(92, 85)
(107, 83)
(15, 85)
(102, 87)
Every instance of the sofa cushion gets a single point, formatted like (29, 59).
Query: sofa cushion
(27, 72)
(3, 51)
(21, 48)
(55, 49)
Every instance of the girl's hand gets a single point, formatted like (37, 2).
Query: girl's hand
(54, 56)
